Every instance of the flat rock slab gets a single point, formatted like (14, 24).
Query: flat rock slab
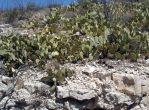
(78, 94)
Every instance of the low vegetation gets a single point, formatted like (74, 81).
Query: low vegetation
(18, 13)
(81, 31)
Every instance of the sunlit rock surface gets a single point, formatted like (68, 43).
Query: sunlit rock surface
(112, 85)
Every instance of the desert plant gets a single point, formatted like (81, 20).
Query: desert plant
(58, 38)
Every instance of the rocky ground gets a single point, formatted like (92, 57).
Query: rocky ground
(97, 85)
(7, 29)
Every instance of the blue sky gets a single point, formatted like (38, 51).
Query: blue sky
(13, 3)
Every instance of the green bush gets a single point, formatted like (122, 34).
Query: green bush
(57, 39)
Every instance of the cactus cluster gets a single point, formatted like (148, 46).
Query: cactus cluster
(86, 34)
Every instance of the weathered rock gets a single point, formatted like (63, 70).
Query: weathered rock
(6, 80)
(125, 86)
(122, 87)
(3, 102)
(7, 29)
(22, 94)
(145, 101)
(78, 94)
(10, 103)
(3, 87)
(50, 104)
(118, 98)
(36, 87)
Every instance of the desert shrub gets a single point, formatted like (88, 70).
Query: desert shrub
(12, 14)
(19, 13)
(56, 73)
(57, 36)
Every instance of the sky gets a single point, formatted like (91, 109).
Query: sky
(4, 4)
